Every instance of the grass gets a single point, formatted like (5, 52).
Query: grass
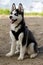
(4, 11)
(34, 14)
(7, 12)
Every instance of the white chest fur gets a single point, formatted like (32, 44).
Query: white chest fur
(13, 27)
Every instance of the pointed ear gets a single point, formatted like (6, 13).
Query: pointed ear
(20, 7)
(13, 7)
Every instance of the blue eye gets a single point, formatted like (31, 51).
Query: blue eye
(16, 14)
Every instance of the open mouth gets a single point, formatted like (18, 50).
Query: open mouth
(14, 20)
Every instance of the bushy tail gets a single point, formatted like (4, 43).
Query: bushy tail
(40, 49)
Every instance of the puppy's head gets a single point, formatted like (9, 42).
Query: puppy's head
(16, 16)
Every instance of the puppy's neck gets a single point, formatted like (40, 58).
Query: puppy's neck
(13, 27)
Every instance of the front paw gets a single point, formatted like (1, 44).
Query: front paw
(17, 52)
(20, 58)
(9, 54)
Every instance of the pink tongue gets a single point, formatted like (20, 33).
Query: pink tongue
(11, 21)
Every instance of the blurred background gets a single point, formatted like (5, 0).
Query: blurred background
(31, 7)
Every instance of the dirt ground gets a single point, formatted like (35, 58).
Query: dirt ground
(35, 24)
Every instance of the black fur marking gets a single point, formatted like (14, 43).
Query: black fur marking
(31, 39)
(21, 23)
(22, 29)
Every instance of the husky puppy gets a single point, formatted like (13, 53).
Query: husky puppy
(21, 35)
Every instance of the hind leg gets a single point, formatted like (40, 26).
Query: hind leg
(31, 51)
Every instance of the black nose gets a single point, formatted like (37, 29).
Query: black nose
(10, 17)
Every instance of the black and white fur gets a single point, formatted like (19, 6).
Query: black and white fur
(22, 38)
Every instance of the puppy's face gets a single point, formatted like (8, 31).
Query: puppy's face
(16, 16)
